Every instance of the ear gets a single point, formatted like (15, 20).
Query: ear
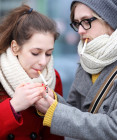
(14, 47)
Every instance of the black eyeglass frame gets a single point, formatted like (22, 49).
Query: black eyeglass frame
(80, 23)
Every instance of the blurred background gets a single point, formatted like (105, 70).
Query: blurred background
(65, 52)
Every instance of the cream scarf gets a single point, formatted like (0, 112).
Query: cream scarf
(99, 53)
(12, 74)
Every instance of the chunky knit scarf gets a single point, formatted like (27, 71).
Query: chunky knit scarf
(12, 74)
(99, 53)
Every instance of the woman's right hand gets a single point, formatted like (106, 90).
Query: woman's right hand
(26, 95)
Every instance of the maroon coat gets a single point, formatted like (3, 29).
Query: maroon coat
(30, 124)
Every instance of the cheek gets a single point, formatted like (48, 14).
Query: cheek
(98, 33)
(48, 60)
(97, 30)
(24, 61)
(101, 30)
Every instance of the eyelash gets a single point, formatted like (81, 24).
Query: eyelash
(48, 54)
(36, 54)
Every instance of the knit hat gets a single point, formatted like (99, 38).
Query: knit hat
(106, 9)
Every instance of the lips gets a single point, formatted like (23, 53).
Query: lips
(36, 69)
(83, 39)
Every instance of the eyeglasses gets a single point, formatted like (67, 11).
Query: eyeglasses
(85, 23)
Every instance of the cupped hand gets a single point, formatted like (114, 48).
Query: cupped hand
(45, 101)
(26, 95)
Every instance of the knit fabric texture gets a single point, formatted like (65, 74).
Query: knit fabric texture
(49, 114)
(106, 9)
(99, 53)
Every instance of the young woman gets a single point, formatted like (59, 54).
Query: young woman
(26, 45)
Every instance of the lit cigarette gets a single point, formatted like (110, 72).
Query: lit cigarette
(84, 46)
(43, 78)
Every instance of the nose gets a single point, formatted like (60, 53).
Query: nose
(42, 60)
(81, 30)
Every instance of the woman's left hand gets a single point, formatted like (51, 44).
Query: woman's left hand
(45, 102)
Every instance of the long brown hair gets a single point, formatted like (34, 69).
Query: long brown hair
(21, 23)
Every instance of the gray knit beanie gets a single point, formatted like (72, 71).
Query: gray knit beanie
(106, 9)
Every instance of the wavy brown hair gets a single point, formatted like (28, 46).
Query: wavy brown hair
(20, 24)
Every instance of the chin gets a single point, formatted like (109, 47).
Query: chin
(33, 76)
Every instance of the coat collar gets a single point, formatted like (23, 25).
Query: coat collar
(85, 85)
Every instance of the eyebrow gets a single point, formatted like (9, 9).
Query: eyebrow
(84, 17)
(42, 49)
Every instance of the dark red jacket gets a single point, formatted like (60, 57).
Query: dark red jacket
(30, 124)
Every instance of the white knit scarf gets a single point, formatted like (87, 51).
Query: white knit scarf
(99, 52)
(12, 74)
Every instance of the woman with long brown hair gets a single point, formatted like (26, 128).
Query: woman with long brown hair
(26, 44)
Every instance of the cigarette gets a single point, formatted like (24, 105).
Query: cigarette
(84, 46)
(43, 78)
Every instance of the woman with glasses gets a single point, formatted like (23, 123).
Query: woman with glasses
(91, 109)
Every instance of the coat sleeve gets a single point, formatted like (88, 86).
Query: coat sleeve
(7, 119)
(71, 122)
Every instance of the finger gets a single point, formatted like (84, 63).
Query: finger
(37, 89)
(21, 85)
(46, 96)
(36, 99)
(37, 93)
(34, 85)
